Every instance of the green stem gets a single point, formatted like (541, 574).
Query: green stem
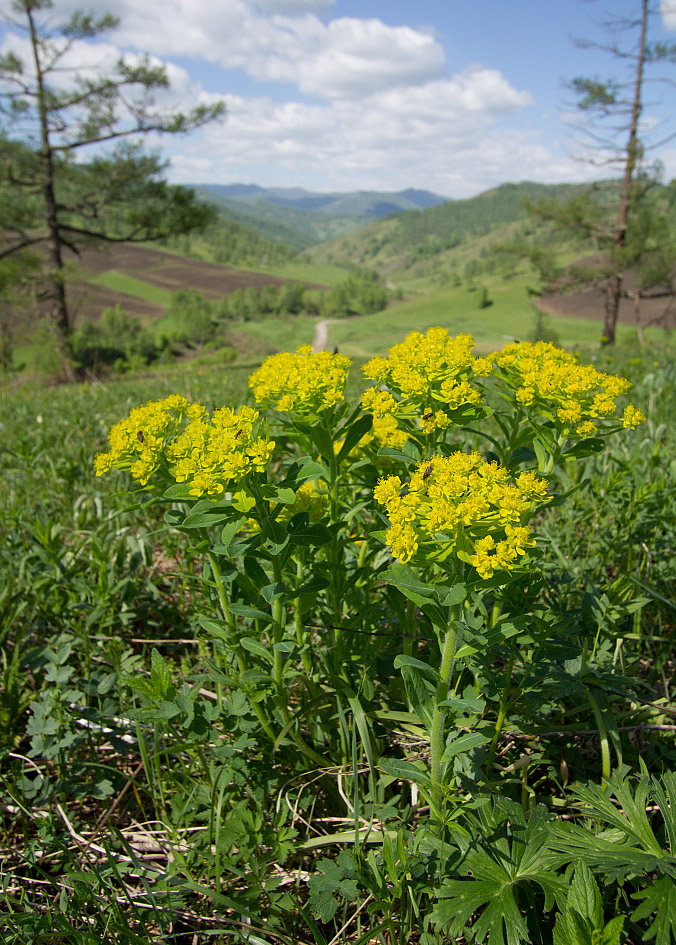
(502, 715)
(277, 636)
(335, 592)
(229, 618)
(407, 642)
(603, 735)
(298, 623)
(448, 652)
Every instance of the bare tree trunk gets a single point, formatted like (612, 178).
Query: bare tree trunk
(57, 292)
(637, 315)
(614, 284)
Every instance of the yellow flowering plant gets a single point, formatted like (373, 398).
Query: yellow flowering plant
(558, 407)
(326, 526)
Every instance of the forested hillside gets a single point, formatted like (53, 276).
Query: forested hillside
(399, 242)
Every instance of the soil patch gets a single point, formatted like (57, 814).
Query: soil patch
(589, 304)
(175, 272)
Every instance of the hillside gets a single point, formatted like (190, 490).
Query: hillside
(302, 218)
(398, 243)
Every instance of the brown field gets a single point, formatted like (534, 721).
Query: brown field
(589, 304)
(163, 270)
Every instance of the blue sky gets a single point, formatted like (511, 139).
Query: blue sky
(455, 96)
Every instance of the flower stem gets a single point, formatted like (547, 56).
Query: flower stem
(448, 652)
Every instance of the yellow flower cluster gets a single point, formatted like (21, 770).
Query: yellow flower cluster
(137, 443)
(178, 438)
(465, 507)
(577, 396)
(210, 454)
(304, 382)
(431, 374)
(309, 500)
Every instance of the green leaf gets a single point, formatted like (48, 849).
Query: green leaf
(160, 676)
(659, 901)
(421, 694)
(272, 591)
(281, 494)
(586, 447)
(256, 647)
(354, 434)
(255, 572)
(303, 471)
(215, 628)
(304, 532)
(179, 491)
(405, 771)
(405, 578)
(242, 610)
(450, 596)
(229, 532)
(204, 517)
(402, 456)
(465, 742)
(401, 659)
(584, 896)
(313, 586)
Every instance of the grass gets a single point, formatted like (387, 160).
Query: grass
(184, 831)
(130, 285)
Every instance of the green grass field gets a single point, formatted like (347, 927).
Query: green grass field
(130, 285)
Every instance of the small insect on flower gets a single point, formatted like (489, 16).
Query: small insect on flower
(238, 434)
(428, 416)
(139, 436)
(428, 472)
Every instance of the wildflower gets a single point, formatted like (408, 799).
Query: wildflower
(428, 377)
(173, 439)
(632, 417)
(556, 385)
(459, 502)
(304, 382)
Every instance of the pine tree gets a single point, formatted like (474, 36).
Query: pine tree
(612, 112)
(52, 197)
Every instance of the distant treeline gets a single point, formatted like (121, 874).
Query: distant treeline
(122, 343)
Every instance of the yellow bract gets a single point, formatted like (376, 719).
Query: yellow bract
(577, 395)
(179, 439)
(460, 502)
(430, 374)
(304, 382)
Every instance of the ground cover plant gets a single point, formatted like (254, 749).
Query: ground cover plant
(308, 662)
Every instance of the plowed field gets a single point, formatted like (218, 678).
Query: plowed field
(157, 269)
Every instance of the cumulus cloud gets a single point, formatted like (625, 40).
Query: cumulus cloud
(279, 40)
(295, 7)
(382, 112)
(443, 136)
(668, 11)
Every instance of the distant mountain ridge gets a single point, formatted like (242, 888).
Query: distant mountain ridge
(302, 218)
(367, 203)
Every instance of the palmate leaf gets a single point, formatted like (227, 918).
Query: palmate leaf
(513, 857)
(631, 846)
(659, 899)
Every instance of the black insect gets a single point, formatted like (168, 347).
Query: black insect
(428, 472)
(238, 434)
(139, 436)
(428, 416)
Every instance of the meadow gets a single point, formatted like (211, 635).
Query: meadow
(258, 706)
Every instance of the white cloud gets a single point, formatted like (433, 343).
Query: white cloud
(295, 7)
(349, 57)
(668, 11)
(279, 40)
(443, 136)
